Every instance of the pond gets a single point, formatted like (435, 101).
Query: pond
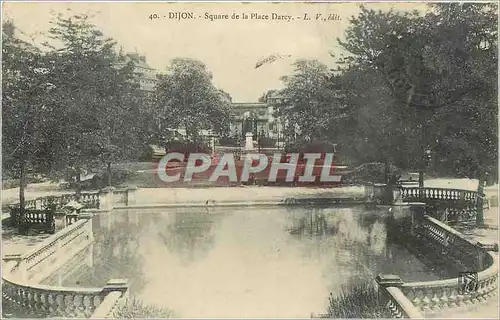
(243, 262)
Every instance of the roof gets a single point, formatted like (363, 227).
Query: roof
(137, 60)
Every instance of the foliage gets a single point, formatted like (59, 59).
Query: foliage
(136, 309)
(228, 141)
(186, 98)
(94, 110)
(356, 302)
(374, 172)
(422, 81)
(184, 146)
(101, 178)
(318, 146)
(25, 92)
(311, 108)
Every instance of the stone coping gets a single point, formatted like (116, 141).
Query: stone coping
(47, 242)
(482, 275)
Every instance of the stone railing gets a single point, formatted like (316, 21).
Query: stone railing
(391, 296)
(38, 263)
(452, 206)
(23, 273)
(416, 194)
(430, 296)
(50, 301)
(90, 200)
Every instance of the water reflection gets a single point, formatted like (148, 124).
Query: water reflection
(272, 262)
(190, 236)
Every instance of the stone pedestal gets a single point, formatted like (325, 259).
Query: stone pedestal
(389, 280)
(249, 141)
(121, 285)
(131, 191)
(106, 199)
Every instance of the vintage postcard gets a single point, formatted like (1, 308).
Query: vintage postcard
(249, 160)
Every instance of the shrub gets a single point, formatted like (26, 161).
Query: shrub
(10, 183)
(359, 301)
(118, 176)
(228, 141)
(188, 146)
(266, 142)
(135, 308)
(310, 147)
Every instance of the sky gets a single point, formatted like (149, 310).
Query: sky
(229, 48)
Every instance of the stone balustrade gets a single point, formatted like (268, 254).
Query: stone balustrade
(453, 206)
(430, 296)
(89, 199)
(412, 194)
(391, 296)
(23, 273)
(38, 263)
(50, 301)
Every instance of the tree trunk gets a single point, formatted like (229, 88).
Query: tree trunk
(22, 184)
(109, 174)
(389, 184)
(78, 184)
(480, 201)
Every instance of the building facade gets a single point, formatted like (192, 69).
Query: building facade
(146, 75)
(259, 118)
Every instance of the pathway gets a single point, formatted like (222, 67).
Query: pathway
(13, 243)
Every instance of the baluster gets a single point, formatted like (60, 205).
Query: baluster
(395, 312)
(87, 306)
(452, 299)
(60, 305)
(69, 305)
(443, 300)
(96, 301)
(426, 300)
(44, 303)
(25, 298)
(490, 287)
(36, 302)
(417, 299)
(79, 308)
(482, 291)
(30, 300)
(435, 299)
(52, 305)
(466, 299)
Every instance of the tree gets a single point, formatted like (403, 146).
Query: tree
(186, 98)
(463, 56)
(311, 105)
(265, 95)
(434, 74)
(94, 102)
(25, 99)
